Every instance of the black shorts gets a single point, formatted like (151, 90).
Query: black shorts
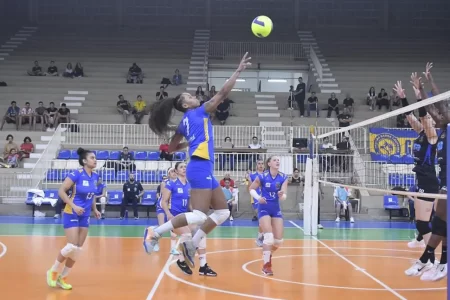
(428, 185)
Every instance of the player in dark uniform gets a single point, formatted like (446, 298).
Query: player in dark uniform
(424, 152)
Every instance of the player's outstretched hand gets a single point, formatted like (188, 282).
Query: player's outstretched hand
(399, 90)
(97, 214)
(427, 72)
(416, 81)
(245, 62)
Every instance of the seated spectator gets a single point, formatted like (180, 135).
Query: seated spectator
(11, 116)
(124, 108)
(313, 101)
(68, 73)
(341, 200)
(52, 113)
(126, 161)
(348, 103)
(199, 91)
(333, 105)
(162, 94)
(212, 91)
(12, 160)
(26, 148)
(52, 69)
(139, 109)
(344, 118)
(371, 98)
(253, 157)
(135, 74)
(226, 177)
(394, 100)
(26, 115)
(164, 151)
(63, 115)
(223, 158)
(78, 72)
(382, 99)
(40, 116)
(36, 70)
(326, 144)
(101, 196)
(9, 146)
(223, 111)
(229, 197)
(177, 79)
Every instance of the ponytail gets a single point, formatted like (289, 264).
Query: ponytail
(161, 113)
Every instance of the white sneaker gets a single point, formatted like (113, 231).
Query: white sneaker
(319, 226)
(436, 273)
(156, 248)
(174, 251)
(352, 220)
(231, 218)
(338, 220)
(416, 244)
(418, 268)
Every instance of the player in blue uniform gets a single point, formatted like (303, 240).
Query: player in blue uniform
(424, 152)
(197, 129)
(161, 216)
(252, 177)
(273, 189)
(83, 186)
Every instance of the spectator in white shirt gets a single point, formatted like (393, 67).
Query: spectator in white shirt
(253, 157)
(327, 145)
(26, 115)
(341, 201)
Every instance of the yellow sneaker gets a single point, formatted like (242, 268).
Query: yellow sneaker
(51, 278)
(61, 282)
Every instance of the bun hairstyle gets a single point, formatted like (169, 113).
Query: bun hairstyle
(82, 155)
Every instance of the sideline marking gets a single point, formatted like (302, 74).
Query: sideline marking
(5, 249)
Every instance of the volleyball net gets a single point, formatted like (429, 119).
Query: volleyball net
(384, 167)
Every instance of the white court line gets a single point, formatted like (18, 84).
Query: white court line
(161, 275)
(4, 249)
(354, 265)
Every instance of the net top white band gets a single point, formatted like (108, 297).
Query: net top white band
(414, 106)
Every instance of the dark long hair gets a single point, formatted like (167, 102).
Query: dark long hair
(161, 112)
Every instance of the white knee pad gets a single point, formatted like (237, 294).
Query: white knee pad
(202, 244)
(68, 250)
(196, 217)
(103, 200)
(268, 238)
(277, 243)
(76, 254)
(219, 216)
(185, 237)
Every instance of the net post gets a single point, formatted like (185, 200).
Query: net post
(307, 198)
(448, 197)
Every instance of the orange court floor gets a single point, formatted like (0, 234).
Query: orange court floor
(113, 265)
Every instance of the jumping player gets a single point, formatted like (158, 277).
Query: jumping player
(252, 177)
(206, 192)
(83, 184)
(160, 215)
(424, 152)
(273, 189)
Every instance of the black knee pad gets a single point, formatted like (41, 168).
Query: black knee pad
(439, 227)
(423, 227)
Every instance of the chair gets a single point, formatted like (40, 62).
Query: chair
(115, 197)
(64, 154)
(74, 154)
(122, 176)
(181, 156)
(391, 204)
(114, 155)
(108, 175)
(149, 177)
(141, 155)
(153, 155)
(102, 155)
(137, 175)
(149, 200)
(51, 194)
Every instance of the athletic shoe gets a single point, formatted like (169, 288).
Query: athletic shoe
(416, 244)
(188, 249)
(52, 277)
(206, 271)
(184, 267)
(436, 273)
(418, 268)
(267, 269)
(156, 248)
(338, 220)
(150, 239)
(174, 251)
(352, 220)
(319, 226)
(63, 284)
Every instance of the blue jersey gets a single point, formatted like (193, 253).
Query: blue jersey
(271, 186)
(100, 188)
(197, 129)
(83, 190)
(158, 202)
(252, 178)
(179, 198)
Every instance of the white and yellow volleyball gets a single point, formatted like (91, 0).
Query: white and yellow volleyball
(262, 26)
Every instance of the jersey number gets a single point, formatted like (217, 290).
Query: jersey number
(184, 202)
(272, 194)
(90, 196)
(186, 124)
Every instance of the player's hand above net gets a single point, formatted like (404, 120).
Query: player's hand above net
(427, 72)
(245, 62)
(399, 90)
(416, 81)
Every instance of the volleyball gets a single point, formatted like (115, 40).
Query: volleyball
(262, 26)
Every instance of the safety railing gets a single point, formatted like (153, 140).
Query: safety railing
(224, 49)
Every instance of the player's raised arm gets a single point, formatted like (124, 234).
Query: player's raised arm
(211, 105)
(412, 120)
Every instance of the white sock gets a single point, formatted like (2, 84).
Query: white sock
(198, 236)
(55, 266)
(266, 256)
(260, 235)
(181, 257)
(166, 227)
(202, 259)
(65, 272)
(173, 243)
